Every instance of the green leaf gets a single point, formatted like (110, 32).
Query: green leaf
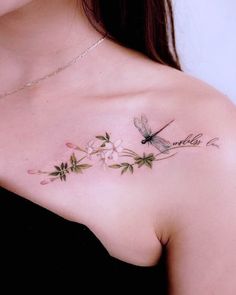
(54, 173)
(63, 177)
(101, 137)
(140, 164)
(84, 166)
(73, 159)
(137, 158)
(131, 169)
(148, 164)
(124, 170)
(58, 168)
(78, 170)
(115, 166)
(125, 164)
(150, 157)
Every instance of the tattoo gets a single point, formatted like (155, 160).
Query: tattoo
(190, 139)
(212, 142)
(108, 151)
(152, 138)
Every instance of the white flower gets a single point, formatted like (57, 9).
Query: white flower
(102, 157)
(113, 149)
(90, 148)
(110, 152)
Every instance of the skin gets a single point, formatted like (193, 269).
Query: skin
(186, 202)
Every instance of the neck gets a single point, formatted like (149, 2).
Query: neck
(42, 35)
(44, 27)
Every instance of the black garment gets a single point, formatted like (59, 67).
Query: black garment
(41, 247)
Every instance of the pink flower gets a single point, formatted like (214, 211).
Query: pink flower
(71, 145)
(34, 171)
(74, 146)
(46, 181)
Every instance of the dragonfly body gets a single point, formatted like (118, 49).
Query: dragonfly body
(147, 139)
(152, 138)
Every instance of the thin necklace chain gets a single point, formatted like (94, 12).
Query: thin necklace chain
(55, 72)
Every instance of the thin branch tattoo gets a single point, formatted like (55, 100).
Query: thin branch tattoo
(109, 151)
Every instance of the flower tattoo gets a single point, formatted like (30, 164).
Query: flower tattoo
(109, 152)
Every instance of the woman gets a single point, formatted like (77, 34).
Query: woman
(110, 133)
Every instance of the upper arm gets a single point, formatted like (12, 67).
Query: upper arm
(202, 243)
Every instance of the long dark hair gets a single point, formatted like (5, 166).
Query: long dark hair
(143, 25)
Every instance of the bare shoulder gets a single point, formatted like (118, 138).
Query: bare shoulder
(204, 107)
(202, 134)
(177, 89)
(193, 101)
(199, 109)
(201, 221)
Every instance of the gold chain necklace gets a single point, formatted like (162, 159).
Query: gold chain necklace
(55, 72)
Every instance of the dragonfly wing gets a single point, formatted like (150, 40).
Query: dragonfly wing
(144, 121)
(140, 126)
(161, 144)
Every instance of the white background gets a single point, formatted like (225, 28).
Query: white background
(206, 41)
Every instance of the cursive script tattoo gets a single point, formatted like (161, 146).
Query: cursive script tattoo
(190, 139)
(212, 142)
(109, 152)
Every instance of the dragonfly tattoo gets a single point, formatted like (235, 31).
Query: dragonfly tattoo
(152, 138)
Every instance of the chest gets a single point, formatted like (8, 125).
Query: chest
(60, 158)
(55, 168)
